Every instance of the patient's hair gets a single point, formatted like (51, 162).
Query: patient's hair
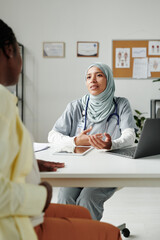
(7, 37)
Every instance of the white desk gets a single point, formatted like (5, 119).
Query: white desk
(102, 169)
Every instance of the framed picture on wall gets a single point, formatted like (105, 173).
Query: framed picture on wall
(87, 49)
(53, 49)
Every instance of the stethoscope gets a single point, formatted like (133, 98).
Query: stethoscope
(110, 116)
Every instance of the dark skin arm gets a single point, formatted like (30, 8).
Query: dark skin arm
(49, 194)
(46, 166)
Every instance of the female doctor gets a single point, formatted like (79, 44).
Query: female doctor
(99, 119)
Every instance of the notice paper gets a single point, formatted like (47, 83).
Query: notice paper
(154, 64)
(122, 57)
(139, 52)
(140, 68)
(154, 48)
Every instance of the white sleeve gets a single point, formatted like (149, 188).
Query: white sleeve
(126, 139)
(61, 142)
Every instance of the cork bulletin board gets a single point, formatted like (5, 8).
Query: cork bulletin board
(132, 51)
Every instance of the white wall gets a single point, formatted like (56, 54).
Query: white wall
(51, 83)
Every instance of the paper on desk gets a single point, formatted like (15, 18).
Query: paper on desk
(140, 68)
(40, 146)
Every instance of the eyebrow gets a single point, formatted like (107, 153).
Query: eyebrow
(95, 72)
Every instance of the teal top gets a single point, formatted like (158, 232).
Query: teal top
(71, 122)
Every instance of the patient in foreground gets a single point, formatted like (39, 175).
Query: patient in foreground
(25, 209)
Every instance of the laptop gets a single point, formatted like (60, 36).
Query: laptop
(149, 142)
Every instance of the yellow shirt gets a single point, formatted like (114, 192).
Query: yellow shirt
(18, 200)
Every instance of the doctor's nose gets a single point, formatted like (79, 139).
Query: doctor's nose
(93, 78)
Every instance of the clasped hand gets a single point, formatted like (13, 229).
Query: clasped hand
(96, 140)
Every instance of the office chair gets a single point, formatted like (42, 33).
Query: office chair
(125, 231)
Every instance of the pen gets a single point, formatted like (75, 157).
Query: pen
(42, 149)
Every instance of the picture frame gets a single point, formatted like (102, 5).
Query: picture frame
(53, 49)
(87, 49)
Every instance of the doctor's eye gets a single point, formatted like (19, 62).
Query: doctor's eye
(88, 77)
(99, 75)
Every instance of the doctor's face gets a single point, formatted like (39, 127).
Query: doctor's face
(96, 81)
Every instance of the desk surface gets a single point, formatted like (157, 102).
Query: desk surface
(102, 169)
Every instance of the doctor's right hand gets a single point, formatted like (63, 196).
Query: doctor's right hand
(82, 139)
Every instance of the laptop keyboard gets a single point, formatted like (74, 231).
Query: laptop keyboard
(129, 152)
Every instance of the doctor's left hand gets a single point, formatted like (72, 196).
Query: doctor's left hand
(97, 141)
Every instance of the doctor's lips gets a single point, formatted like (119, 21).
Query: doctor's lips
(94, 87)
